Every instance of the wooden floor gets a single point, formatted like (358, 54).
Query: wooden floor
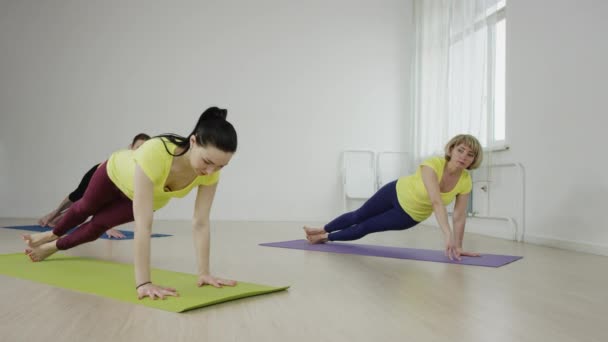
(550, 295)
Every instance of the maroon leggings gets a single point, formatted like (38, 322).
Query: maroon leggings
(102, 200)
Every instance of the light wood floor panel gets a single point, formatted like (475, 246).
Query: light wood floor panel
(550, 295)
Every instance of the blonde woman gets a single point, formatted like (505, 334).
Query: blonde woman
(405, 202)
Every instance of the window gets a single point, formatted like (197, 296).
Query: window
(459, 74)
(482, 43)
(499, 79)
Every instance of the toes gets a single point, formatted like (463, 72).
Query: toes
(30, 253)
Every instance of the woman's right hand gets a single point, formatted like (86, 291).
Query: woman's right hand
(155, 291)
(451, 249)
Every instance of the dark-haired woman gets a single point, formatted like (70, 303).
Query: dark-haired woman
(131, 185)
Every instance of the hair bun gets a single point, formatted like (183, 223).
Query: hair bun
(214, 113)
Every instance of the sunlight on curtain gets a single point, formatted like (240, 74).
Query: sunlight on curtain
(453, 74)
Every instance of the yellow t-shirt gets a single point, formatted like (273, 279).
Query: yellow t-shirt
(153, 159)
(414, 198)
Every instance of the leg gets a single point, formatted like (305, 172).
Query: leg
(370, 218)
(119, 212)
(380, 202)
(394, 219)
(53, 217)
(84, 184)
(56, 220)
(100, 192)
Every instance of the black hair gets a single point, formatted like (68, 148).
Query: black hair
(140, 136)
(211, 129)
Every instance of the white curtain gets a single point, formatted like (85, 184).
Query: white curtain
(451, 73)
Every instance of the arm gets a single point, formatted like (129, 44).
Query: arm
(201, 231)
(458, 220)
(143, 204)
(201, 226)
(460, 217)
(48, 218)
(65, 204)
(431, 183)
(143, 214)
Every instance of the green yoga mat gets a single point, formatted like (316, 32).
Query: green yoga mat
(114, 280)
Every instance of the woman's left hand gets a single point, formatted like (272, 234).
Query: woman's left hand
(213, 281)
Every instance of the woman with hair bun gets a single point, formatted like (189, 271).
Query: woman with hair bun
(131, 185)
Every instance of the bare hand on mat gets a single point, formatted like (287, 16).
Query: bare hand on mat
(113, 233)
(213, 281)
(451, 251)
(155, 291)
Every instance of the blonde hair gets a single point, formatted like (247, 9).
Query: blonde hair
(470, 142)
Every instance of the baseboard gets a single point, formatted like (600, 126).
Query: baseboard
(577, 246)
(502, 230)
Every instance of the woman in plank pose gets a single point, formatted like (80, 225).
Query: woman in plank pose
(410, 200)
(131, 185)
(54, 216)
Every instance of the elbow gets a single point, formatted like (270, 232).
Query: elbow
(459, 219)
(437, 204)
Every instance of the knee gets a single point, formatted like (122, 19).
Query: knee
(356, 216)
(97, 228)
(359, 230)
(81, 208)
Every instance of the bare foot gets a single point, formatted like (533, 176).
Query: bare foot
(41, 252)
(317, 238)
(35, 240)
(313, 231)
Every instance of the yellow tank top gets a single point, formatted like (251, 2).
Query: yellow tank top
(153, 159)
(414, 198)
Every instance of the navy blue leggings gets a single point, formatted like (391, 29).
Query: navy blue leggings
(379, 213)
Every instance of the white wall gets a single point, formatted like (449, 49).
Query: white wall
(302, 80)
(557, 69)
(556, 91)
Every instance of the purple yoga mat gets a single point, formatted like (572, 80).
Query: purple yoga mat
(489, 260)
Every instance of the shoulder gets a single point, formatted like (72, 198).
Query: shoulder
(154, 158)
(435, 163)
(156, 143)
(155, 146)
